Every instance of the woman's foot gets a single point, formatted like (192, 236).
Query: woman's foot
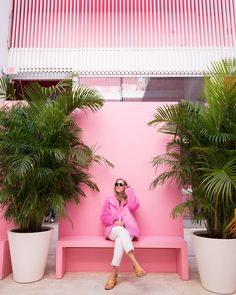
(139, 271)
(110, 284)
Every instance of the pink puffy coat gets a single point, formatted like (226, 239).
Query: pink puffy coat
(112, 211)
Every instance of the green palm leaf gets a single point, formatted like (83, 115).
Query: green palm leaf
(81, 97)
(7, 89)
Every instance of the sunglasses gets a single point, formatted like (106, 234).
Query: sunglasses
(119, 184)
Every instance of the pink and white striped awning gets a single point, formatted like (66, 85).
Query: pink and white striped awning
(121, 37)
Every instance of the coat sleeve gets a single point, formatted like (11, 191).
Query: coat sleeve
(132, 200)
(106, 216)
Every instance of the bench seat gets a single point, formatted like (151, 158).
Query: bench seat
(144, 242)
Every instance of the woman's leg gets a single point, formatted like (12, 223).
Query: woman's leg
(140, 272)
(118, 233)
(110, 284)
(123, 243)
(118, 252)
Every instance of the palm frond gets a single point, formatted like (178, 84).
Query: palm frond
(82, 97)
(7, 89)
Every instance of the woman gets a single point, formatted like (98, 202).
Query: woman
(121, 227)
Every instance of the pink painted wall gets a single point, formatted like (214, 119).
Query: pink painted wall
(121, 131)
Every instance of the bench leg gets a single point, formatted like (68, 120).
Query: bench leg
(182, 262)
(60, 262)
(5, 259)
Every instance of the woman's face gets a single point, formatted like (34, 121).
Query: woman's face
(120, 186)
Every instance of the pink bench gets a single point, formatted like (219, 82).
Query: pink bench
(130, 144)
(148, 242)
(5, 260)
(5, 264)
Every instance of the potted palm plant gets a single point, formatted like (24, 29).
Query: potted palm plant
(43, 163)
(201, 156)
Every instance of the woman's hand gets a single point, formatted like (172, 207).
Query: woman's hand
(119, 222)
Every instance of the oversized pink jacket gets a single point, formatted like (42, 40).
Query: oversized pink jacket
(112, 211)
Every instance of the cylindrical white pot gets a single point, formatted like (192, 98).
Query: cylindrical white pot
(216, 261)
(29, 253)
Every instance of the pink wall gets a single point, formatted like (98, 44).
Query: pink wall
(121, 131)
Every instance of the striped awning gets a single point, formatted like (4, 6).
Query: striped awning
(120, 37)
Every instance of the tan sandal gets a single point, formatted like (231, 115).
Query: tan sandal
(139, 271)
(110, 284)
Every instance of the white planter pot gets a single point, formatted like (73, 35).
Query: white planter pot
(216, 261)
(29, 253)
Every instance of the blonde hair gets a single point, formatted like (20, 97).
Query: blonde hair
(123, 196)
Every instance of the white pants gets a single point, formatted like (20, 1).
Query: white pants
(123, 242)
